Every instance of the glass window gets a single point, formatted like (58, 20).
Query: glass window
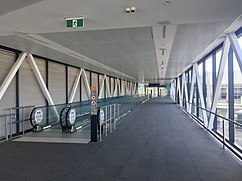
(209, 82)
(238, 99)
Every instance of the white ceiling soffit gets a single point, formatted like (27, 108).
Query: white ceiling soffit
(109, 14)
(40, 48)
(129, 50)
(163, 38)
(112, 38)
(190, 41)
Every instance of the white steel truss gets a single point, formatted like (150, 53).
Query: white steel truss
(201, 97)
(11, 74)
(107, 87)
(236, 48)
(115, 92)
(179, 90)
(185, 89)
(42, 83)
(87, 85)
(192, 89)
(74, 88)
(219, 79)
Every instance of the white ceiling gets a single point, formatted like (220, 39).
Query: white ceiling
(114, 42)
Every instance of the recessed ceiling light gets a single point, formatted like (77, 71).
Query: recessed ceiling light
(166, 2)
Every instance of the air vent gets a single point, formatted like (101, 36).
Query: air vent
(163, 31)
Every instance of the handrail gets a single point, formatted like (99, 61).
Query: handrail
(230, 146)
(7, 115)
(227, 119)
(21, 107)
(5, 121)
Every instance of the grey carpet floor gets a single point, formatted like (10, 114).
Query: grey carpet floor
(156, 142)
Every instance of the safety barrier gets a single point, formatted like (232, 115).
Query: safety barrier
(7, 121)
(23, 112)
(219, 135)
(108, 117)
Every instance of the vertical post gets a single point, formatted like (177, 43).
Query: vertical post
(223, 135)
(215, 123)
(66, 71)
(106, 119)
(47, 86)
(98, 86)
(204, 84)
(23, 113)
(231, 94)
(115, 116)
(10, 126)
(6, 130)
(93, 114)
(17, 99)
(197, 98)
(110, 119)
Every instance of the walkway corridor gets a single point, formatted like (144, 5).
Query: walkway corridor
(156, 142)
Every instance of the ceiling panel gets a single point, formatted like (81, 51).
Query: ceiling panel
(12, 5)
(119, 40)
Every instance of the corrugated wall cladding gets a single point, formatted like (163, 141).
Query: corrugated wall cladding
(100, 85)
(30, 92)
(57, 82)
(8, 100)
(95, 79)
(72, 75)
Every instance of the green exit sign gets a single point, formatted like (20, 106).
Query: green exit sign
(75, 22)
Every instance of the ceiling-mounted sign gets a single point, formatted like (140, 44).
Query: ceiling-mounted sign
(75, 22)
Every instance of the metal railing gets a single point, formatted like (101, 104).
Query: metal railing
(6, 123)
(82, 118)
(108, 117)
(24, 114)
(223, 136)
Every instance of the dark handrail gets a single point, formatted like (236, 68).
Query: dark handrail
(7, 115)
(227, 119)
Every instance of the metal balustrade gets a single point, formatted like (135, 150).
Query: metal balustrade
(221, 136)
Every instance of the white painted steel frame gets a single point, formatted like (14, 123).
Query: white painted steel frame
(11, 74)
(192, 89)
(236, 48)
(74, 88)
(201, 97)
(224, 56)
(87, 85)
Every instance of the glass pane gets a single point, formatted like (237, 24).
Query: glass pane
(209, 82)
(222, 104)
(238, 100)
(218, 57)
(200, 74)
